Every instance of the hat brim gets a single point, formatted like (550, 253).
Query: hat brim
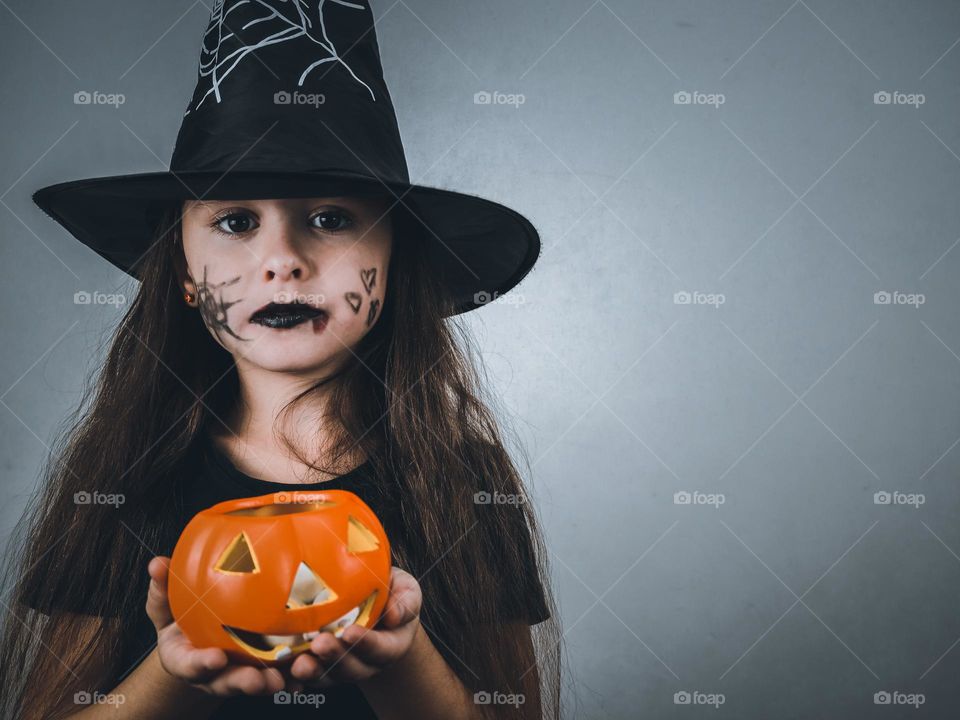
(482, 248)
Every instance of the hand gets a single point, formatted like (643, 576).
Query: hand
(207, 669)
(360, 653)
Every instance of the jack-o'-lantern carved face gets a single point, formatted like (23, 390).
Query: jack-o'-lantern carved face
(260, 577)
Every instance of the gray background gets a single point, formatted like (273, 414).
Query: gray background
(798, 398)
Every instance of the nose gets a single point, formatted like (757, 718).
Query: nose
(283, 258)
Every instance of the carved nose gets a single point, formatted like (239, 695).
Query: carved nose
(308, 589)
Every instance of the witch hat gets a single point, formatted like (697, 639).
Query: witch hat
(291, 101)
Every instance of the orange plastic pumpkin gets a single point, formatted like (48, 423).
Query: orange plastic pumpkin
(260, 577)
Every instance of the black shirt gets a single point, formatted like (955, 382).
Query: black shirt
(217, 480)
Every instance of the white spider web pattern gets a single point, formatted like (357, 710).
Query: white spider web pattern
(295, 22)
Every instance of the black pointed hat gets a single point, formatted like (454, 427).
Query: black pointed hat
(291, 102)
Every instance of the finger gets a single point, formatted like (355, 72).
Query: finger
(182, 659)
(402, 606)
(306, 666)
(247, 680)
(375, 647)
(347, 668)
(310, 673)
(404, 600)
(326, 644)
(158, 605)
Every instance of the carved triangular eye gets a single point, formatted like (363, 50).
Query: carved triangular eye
(238, 558)
(359, 538)
(308, 589)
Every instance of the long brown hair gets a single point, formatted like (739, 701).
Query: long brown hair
(411, 399)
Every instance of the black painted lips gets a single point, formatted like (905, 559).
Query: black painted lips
(285, 314)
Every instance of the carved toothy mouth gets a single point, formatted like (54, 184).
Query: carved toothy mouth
(276, 647)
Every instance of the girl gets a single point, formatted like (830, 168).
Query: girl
(294, 326)
(236, 352)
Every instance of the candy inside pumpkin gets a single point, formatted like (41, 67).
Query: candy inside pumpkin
(260, 577)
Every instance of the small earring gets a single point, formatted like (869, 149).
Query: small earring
(188, 297)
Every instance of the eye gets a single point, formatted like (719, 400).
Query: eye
(359, 538)
(332, 220)
(234, 223)
(238, 558)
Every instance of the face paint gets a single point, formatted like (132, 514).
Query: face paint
(369, 278)
(280, 253)
(213, 308)
(354, 300)
(374, 305)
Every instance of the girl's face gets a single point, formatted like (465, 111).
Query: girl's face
(287, 285)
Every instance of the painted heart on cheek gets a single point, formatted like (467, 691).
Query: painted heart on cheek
(374, 305)
(354, 300)
(369, 278)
